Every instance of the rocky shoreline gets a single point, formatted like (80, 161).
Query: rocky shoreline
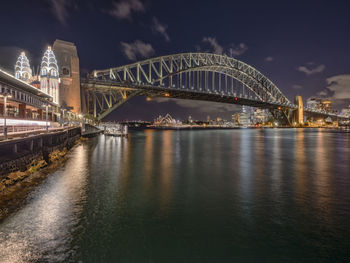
(16, 186)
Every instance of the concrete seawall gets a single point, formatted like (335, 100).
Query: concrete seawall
(19, 154)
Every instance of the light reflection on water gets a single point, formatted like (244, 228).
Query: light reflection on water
(41, 229)
(281, 195)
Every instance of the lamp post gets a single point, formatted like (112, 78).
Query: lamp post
(63, 110)
(5, 96)
(47, 115)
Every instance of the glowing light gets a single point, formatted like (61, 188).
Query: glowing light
(49, 75)
(8, 96)
(10, 122)
(22, 68)
(167, 95)
(148, 99)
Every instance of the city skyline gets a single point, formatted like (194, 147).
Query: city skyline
(300, 47)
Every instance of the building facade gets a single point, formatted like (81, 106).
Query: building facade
(49, 75)
(22, 68)
(68, 62)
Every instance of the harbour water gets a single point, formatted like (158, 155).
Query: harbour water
(247, 195)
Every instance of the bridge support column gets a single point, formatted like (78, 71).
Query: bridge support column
(94, 102)
(298, 115)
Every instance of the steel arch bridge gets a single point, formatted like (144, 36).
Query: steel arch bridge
(200, 76)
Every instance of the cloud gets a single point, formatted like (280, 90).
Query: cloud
(337, 90)
(124, 9)
(340, 86)
(160, 28)
(137, 49)
(215, 45)
(297, 86)
(323, 93)
(269, 59)
(205, 107)
(311, 69)
(233, 50)
(59, 9)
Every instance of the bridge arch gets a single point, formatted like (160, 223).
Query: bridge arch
(190, 73)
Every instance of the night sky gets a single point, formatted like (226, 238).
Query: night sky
(302, 46)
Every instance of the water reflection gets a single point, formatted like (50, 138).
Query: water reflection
(42, 228)
(166, 168)
(300, 167)
(196, 196)
(323, 175)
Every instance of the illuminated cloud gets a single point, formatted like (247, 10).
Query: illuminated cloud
(311, 69)
(337, 90)
(59, 9)
(297, 86)
(323, 94)
(214, 44)
(123, 9)
(340, 86)
(137, 49)
(160, 28)
(233, 50)
(269, 59)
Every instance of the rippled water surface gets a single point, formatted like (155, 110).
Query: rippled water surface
(277, 195)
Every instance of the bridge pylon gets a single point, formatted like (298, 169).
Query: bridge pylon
(298, 114)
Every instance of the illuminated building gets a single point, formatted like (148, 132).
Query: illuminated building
(68, 62)
(260, 116)
(319, 104)
(298, 115)
(326, 105)
(244, 116)
(190, 119)
(49, 78)
(312, 103)
(22, 68)
(235, 118)
(346, 111)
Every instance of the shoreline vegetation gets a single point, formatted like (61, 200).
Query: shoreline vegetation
(16, 186)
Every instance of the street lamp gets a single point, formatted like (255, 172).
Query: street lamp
(5, 96)
(63, 110)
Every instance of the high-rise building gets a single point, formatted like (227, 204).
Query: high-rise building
(49, 76)
(319, 104)
(235, 118)
(346, 111)
(22, 68)
(68, 62)
(312, 103)
(244, 116)
(326, 105)
(260, 116)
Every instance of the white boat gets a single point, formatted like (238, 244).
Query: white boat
(116, 130)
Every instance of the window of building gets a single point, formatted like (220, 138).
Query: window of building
(65, 71)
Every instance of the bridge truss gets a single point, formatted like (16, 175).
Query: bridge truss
(201, 76)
